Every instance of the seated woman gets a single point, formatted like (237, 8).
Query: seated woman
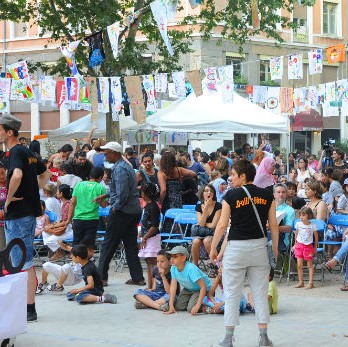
(208, 214)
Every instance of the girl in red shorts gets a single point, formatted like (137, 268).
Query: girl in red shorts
(303, 248)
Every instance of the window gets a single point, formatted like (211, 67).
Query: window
(264, 71)
(20, 29)
(237, 66)
(329, 18)
(300, 33)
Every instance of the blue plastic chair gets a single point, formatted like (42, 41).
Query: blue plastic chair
(172, 213)
(52, 216)
(189, 207)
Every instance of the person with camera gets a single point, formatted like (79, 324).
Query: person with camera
(337, 162)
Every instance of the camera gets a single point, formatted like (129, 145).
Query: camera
(328, 147)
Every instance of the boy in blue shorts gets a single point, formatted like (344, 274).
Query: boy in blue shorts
(195, 283)
(93, 290)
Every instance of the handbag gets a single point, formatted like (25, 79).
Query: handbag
(272, 259)
(199, 231)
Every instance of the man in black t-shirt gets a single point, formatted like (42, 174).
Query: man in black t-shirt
(25, 173)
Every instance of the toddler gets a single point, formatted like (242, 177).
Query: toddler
(41, 221)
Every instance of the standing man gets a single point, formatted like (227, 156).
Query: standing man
(25, 174)
(123, 218)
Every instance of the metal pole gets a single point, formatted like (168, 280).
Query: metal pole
(4, 47)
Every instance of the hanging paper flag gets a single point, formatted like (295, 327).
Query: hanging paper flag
(276, 68)
(135, 95)
(171, 6)
(179, 82)
(210, 80)
(299, 99)
(259, 94)
(61, 93)
(272, 102)
(104, 90)
(171, 91)
(335, 54)
(255, 14)
(96, 50)
(226, 78)
(47, 89)
(329, 111)
(19, 70)
(5, 91)
(69, 54)
(342, 90)
(116, 95)
(295, 67)
(195, 3)
(286, 100)
(22, 90)
(114, 31)
(84, 99)
(313, 96)
(93, 96)
(149, 86)
(330, 91)
(321, 93)
(72, 89)
(159, 12)
(315, 61)
(194, 78)
(161, 82)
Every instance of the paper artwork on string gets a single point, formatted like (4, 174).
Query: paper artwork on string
(312, 96)
(22, 90)
(194, 77)
(272, 101)
(61, 94)
(19, 70)
(171, 6)
(286, 100)
(104, 92)
(47, 89)
(114, 31)
(259, 94)
(149, 86)
(93, 95)
(5, 91)
(299, 99)
(211, 79)
(172, 91)
(276, 68)
(295, 67)
(342, 90)
(330, 92)
(179, 82)
(161, 82)
(96, 50)
(72, 89)
(135, 95)
(159, 12)
(335, 54)
(315, 61)
(227, 83)
(321, 93)
(344, 108)
(329, 111)
(84, 101)
(116, 97)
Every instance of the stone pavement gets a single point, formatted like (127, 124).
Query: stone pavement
(303, 320)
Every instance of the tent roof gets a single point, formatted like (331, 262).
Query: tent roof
(79, 129)
(208, 114)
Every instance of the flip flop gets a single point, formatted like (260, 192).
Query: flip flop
(133, 283)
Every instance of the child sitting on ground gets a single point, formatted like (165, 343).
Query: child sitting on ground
(157, 297)
(195, 283)
(93, 290)
(272, 294)
(150, 236)
(68, 274)
(41, 221)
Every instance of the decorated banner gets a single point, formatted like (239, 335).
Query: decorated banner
(22, 90)
(330, 91)
(255, 14)
(295, 67)
(161, 82)
(104, 90)
(179, 83)
(19, 70)
(61, 93)
(259, 94)
(135, 95)
(276, 68)
(72, 89)
(315, 61)
(149, 86)
(286, 100)
(172, 91)
(195, 3)
(329, 111)
(313, 96)
(321, 93)
(342, 90)
(84, 98)
(47, 89)
(272, 101)
(194, 78)
(159, 12)
(299, 99)
(5, 91)
(96, 50)
(114, 31)
(93, 97)
(227, 85)
(116, 95)
(335, 54)
(210, 81)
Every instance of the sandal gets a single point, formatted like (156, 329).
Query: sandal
(344, 288)
(133, 283)
(299, 285)
(310, 285)
(327, 267)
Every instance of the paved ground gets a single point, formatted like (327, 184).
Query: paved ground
(306, 318)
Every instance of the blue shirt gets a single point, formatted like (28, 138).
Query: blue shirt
(189, 276)
(287, 220)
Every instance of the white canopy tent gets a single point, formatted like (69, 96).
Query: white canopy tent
(209, 114)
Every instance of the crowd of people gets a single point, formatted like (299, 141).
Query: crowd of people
(238, 197)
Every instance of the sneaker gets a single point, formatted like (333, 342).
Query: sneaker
(164, 307)
(55, 288)
(31, 316)
(110, 299)
(41, 287)
(139, 305)
(264, 341)
(227, 341)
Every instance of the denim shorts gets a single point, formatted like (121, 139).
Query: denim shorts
(153, 295)
(80, 296)
(24, 229)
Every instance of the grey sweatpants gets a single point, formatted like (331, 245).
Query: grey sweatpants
(241, 257)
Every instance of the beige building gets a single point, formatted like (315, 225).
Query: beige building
(323, 25)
